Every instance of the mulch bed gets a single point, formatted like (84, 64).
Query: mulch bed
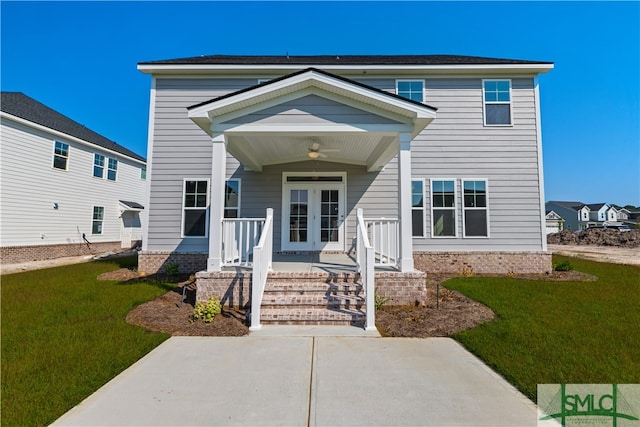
(444, 316)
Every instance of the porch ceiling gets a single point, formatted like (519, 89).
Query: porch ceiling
(272, 123)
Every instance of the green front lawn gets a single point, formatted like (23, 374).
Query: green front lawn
(64, 336)
(559, 332)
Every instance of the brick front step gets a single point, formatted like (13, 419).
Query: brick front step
(305, 300)
(311, 316)
(313, 288)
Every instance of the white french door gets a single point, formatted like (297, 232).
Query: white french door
(313, 216)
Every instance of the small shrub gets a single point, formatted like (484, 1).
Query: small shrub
(379, 301)
(172, 268)
(207, 311)
(563, 266)
(467, 272)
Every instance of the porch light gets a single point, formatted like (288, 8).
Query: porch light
(313, 154)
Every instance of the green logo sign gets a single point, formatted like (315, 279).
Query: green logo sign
(614, 405)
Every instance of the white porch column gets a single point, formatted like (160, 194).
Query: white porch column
(216, 203)
(404, 202)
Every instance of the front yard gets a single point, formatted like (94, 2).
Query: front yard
(64, 332)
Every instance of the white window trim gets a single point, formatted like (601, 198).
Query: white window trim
(107, 169)
(484, 103)
(454, 209)
(53, 157)
(486, 208)
(183, 208)
(414, 80)
(93, 209)
(239, 181)
(104, 166)
(423, 208)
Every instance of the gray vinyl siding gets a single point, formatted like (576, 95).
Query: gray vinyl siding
(455, 145)
(312, 109)
(31, 186)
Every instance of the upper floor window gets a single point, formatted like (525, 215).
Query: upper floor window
(143, 173)
(232, 199)
(98, 165)
(417, 207)
(443, 208)
(497, 102)
(60, 155)
(411, 89)
(112, 171)
(194, 212)
(474, 207)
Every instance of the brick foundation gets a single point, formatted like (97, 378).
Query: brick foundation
(468, 263)
(17, 254)
(155, 261)
(234, 287)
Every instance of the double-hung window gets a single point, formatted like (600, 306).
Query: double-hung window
(476, 221)
(98, 218)
(443, 208)
(194, 211)
(497, 102)
(60, 155)
(112, 171)
(232, 199)
(143, 173)
(417, 207)
(411, 89)
(98, 165)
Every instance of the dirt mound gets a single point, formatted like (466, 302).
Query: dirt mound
(597, 237)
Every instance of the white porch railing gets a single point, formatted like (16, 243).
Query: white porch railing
(384, 235)
(365, 260)
(262, 257)
(239, 236)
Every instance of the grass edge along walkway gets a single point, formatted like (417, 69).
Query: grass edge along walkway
(64, 335)
(550, 332)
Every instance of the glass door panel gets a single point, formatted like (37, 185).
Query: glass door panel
(329, 215)
(299, 216)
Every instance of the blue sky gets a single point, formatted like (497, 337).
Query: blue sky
(80, 58)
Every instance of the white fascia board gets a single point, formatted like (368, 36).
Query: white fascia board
(306, 129)
(59, 134)
(354, 69)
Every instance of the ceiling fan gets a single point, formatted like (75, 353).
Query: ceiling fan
(314, 152)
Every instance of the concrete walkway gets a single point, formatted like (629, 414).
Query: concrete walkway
(306, 381)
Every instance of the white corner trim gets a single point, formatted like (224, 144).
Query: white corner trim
(543, 223)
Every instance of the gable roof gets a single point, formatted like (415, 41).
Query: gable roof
(596, 206)
(317, 71)
(343, 60)
(20, 105)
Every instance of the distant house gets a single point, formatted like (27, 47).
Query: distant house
(66, 190)
(599, 213)
(574, 214)
(554, 222)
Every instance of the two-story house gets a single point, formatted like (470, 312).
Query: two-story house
(436, 158)
(575, 215)
(66, 190)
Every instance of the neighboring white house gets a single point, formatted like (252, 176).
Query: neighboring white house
(445, 149)
(66, 190)
(579, 216)
(600, 213)
(554, 222)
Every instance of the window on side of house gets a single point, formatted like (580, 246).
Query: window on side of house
(443, 208)
(112, 170)
(194, 211)
(474, 200)
(497, 102)
(143, 173)
(232, 199)
(60, 155)
(411, 89)
(417, 207)
(98, 219)
(98, 165)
